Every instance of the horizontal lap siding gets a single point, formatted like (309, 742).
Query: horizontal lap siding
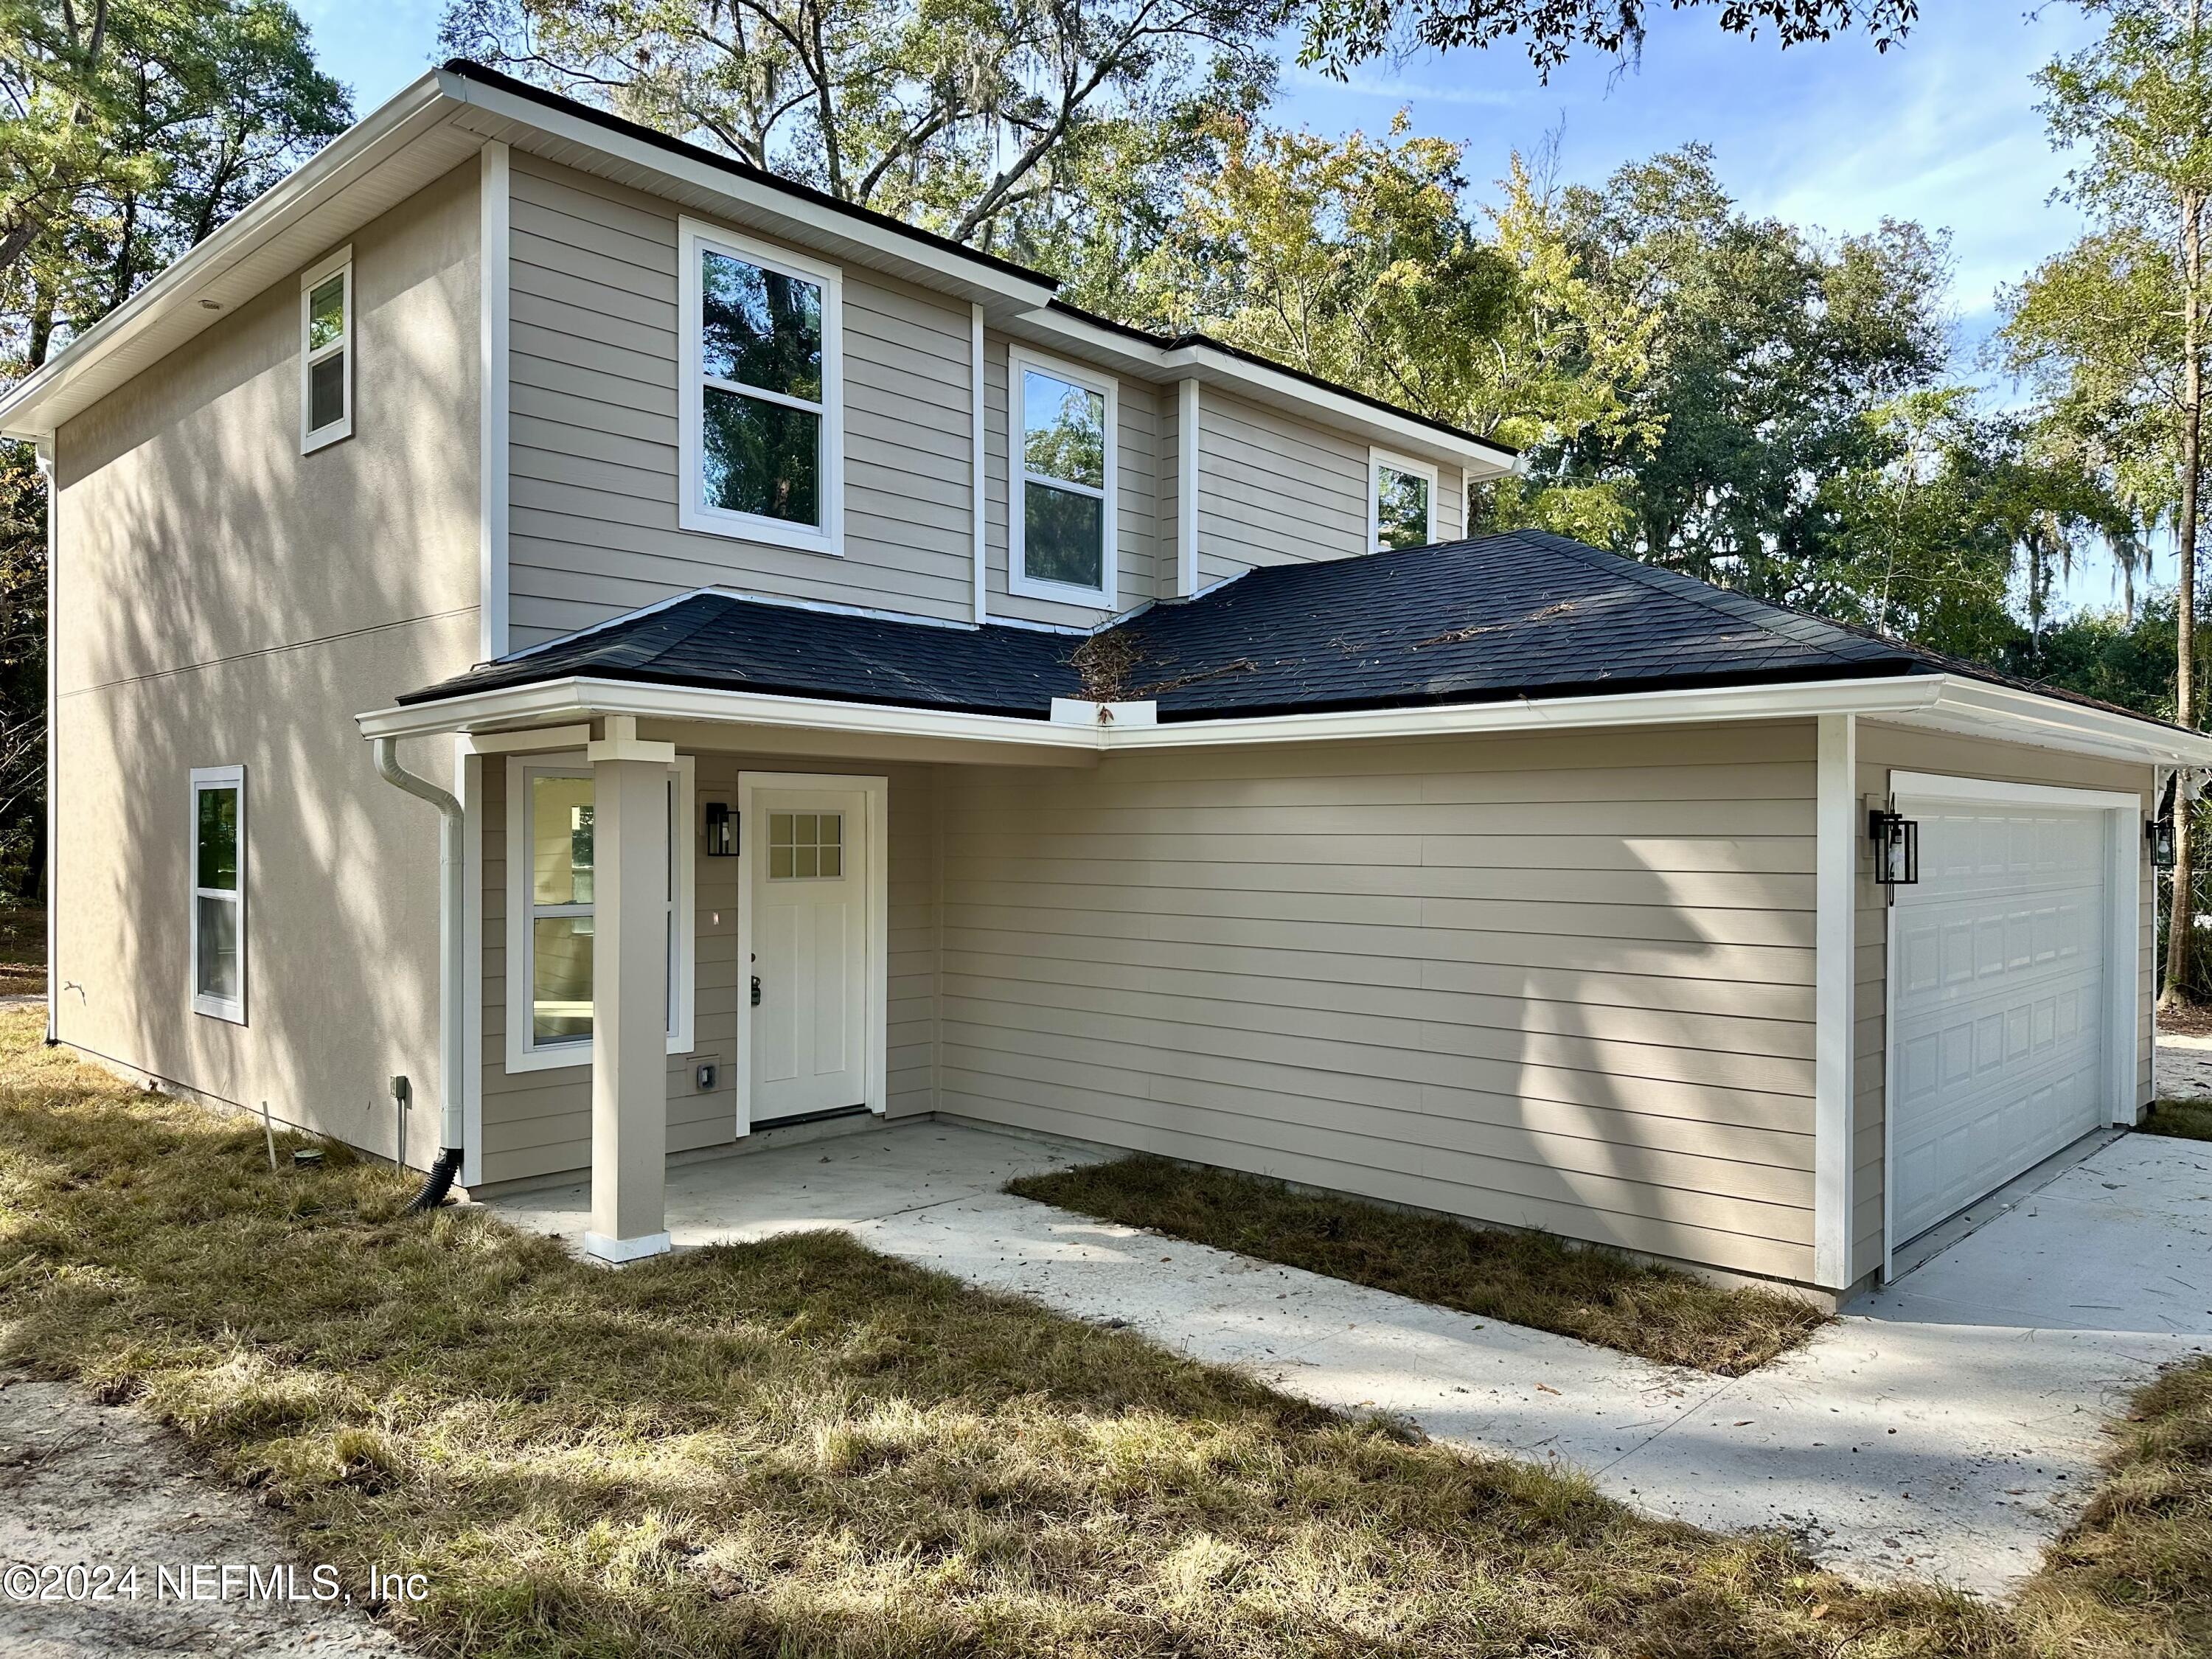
(593, 360)
(538, 1123)
(1274, 489)
(1564, 982)
(1884, 748)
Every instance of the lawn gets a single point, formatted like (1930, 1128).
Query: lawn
(802, 1448)
(2185, 1119)
(1524, 1278)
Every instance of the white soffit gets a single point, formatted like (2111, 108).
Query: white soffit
(379, 162)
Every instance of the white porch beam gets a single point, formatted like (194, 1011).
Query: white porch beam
(629, 994)
(1835, 887)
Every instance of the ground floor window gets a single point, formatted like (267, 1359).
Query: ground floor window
(552, 910)
(218, 916)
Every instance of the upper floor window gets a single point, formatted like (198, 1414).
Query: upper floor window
(326, 352)
(1061, 539)
(218, 914)
(1405, 501)
(761, 415)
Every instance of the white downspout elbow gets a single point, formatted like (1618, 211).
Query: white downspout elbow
(452, 970)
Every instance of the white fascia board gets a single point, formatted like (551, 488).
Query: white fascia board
(579, 698)
(34, 407)
(1151, 360)
(2022, 716)
(1940, 701)
(760, 206)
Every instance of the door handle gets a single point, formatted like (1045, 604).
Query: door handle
(756, 990)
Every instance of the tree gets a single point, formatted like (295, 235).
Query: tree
(1767, 349)
(129, 130)
(983, 119)
(1339, 33)
(2112, 330)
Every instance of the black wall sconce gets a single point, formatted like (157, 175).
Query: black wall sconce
(721, 831)
(2159, 833)
(1896, 847)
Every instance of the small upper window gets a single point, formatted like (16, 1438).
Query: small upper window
(1063, 523)
(218, 912)
(761, 417)
(326, 352)
(1405, 502)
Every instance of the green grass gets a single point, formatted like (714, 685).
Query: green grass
(802, 1448)
(2185, 1119)
(1524, 1278)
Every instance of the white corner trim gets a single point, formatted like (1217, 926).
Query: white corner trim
(1377, 460)
(876, 792)
(979, 481)
(46, 463)
(1187, 476)
(494, 220)
(692, 512)
(1019, 580)
(617, 1251)
(1835, 886)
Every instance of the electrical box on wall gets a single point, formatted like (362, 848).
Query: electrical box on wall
(706, 1077)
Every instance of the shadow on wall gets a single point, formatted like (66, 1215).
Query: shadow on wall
(225, 600)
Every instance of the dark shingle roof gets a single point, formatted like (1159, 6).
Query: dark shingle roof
(1523, 613)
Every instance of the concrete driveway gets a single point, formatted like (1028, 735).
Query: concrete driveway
(1945, 1430)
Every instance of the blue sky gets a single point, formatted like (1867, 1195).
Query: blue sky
(1942, 129)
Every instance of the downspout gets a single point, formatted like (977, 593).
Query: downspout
(451, 969)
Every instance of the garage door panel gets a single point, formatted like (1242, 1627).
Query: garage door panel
(2000, 994)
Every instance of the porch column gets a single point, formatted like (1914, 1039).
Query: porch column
(630, 993)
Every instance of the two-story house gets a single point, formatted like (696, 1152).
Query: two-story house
(825, 675)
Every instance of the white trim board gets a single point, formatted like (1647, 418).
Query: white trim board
(1837, 836)
(2124, 866)
(1938, 703)
(876, 790)
(494, 226)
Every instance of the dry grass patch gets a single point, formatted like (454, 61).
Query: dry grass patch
(2184, 1120)
(802, 1448)
(1524, 1278)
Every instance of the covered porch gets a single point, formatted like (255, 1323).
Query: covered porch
(674, 931)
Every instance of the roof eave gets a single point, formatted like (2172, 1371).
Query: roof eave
(30, 410)
(1940, 702)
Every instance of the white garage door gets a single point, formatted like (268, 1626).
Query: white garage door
(1999, 1000)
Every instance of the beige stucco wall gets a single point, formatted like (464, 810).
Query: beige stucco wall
(1561, 981)
(1882, 749)
(220, 598)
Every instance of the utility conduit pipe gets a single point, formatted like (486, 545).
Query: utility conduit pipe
(451, 1065)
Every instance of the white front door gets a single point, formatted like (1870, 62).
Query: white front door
(809, 856)
(2000, 999)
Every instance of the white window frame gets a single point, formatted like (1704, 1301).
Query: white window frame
(1377, 460)
(524, 1052)
(1019, 580)
(314, 438)
(204, 778)
(692, 513)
